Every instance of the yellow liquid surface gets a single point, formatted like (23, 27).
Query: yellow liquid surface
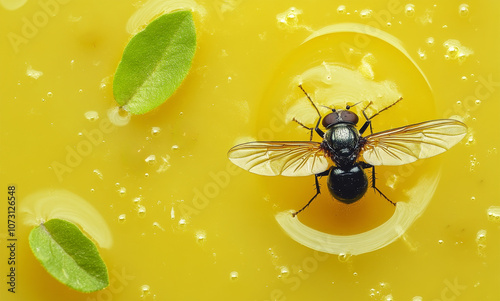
(175, 220)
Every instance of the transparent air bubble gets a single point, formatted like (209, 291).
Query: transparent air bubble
(410, 10)
(463, 10)
(141, 211)
(341, 9)
(365, 13)
(233, 276)
(122, 218)
(91, 115)
(494, 214)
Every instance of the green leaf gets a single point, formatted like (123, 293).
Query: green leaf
(69, 256)
(155, 62)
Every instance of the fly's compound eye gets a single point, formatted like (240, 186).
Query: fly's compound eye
(349, 117)
(330, 119)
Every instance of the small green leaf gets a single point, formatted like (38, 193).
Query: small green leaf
(155, 62)
(69, 256)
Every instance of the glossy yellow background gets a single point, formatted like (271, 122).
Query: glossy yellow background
(197, 228)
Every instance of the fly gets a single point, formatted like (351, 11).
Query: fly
(344, 153)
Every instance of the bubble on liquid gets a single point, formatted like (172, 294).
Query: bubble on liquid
(410, 10)
(233, 276)
(137, 200)
(464, 78)
(473, 161)
(344, 257)
(50, 94)
(33, 73)
(141, 211)
(145, 290)
(284, 271)
(473, 198)
(91, 115)
(365, 13)
(151, 159)
(494, 214)
(122, 191)
(289, 19)
(456, 51)
(118, 116)
(440, 241)
(481, 241)
(421, 54)
(201, 236)
(417, 298)
(155, 131)
(355, 274)
(122, 218)
(98, 173)
(157, 225)
(341, 9)
(463, 10)
(182, 222)
(430, 41)
(389, 298)
(175, 147)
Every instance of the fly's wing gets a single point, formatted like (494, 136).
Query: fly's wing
(274, 158)
(410, 143)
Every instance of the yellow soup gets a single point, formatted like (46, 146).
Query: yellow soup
(174, 219)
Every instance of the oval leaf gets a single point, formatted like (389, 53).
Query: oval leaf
(69, 256)
(155, 62)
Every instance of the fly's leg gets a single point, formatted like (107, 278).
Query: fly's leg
(366, 165)
(368, 119)
(306, 127)
(316, 128)
(318, 191)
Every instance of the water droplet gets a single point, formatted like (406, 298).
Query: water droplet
(182, 222)
(151, 159)
(175, 147)
(477, 102)
(122, 218)
(430, 41)
(440, 242)
(145, 290)
(289, 18)
(91, 115)
(141, 211)
(98, 173)
(344, 257)
(155, 131)
(157, 225)
(421, 54)
(355, 274)
(365, 13)
(284, 271)
(122, 191)
(452, 51)
(389, 298)
(341, 9)
(233, 275)
(481, 236)
(49, 94)
(463, 10)
(464, 78)
(409, 10)
(494, 214)
(201, 236)
(33, 73)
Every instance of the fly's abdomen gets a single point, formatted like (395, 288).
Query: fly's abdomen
(347, 185)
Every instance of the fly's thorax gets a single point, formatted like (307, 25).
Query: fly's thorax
(342, 139)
